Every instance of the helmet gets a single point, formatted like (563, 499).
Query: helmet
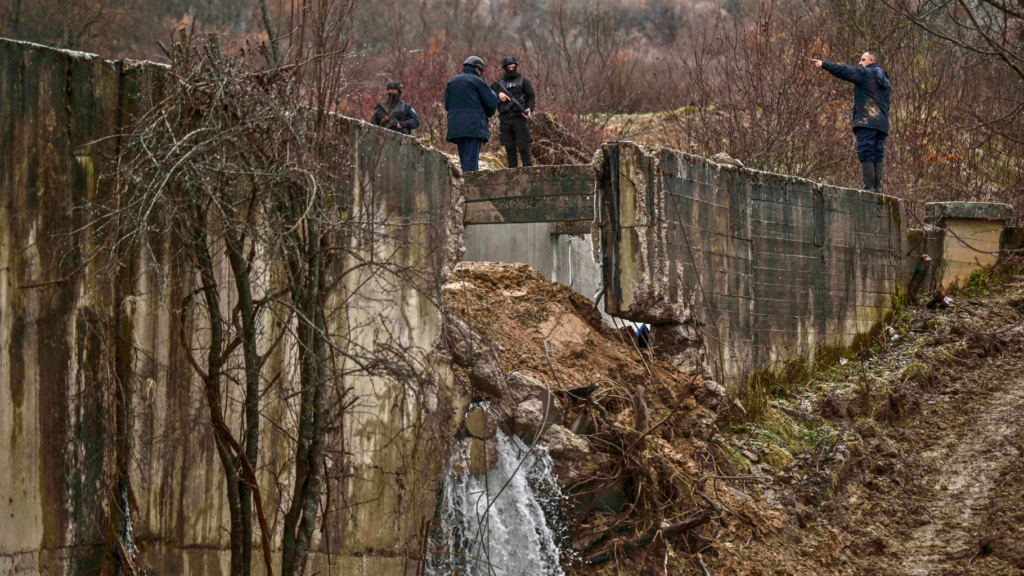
(474, 61)
(508, 60)
(395, 85)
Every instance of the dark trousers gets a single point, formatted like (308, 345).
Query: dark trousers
(515, 137)
(870, 144)
(469, 153)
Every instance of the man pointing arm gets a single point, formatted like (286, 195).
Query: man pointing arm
(871, 90)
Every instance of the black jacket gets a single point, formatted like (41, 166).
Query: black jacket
(870, 93)
(520, 89)
(469, 102)
(402, 114)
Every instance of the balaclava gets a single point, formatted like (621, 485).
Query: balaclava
(510, 74)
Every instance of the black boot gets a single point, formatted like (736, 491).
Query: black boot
(878, 176)
(512, 154)
(869, 175)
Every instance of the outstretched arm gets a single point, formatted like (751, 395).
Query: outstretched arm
(855, 74)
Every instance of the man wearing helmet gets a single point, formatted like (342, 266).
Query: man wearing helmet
(469, 102)
(517, 102)
(395, 114)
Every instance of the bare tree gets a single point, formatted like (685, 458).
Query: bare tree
(245, 164)
(992, 31)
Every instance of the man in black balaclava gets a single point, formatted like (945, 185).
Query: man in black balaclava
(395, 114)
(517, 102)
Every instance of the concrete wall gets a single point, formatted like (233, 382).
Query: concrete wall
(973, 234)
(93, 383)
(534, 244)
(777, 270)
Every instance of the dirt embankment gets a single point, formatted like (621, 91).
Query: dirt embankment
(917, 464)
(905, 459)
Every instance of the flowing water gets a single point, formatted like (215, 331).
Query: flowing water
(504, 523)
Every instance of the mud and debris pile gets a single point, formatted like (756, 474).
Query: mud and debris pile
(903, 457)
(630, 433)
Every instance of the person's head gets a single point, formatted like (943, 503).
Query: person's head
(394, 89)
(475, 62)
(509, 63)
(868, 58)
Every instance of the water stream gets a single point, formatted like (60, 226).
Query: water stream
(503, 523)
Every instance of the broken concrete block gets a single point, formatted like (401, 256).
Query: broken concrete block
(710, 395)
(459, 406)
(487, 378)
(521, 387)
(530, 419)
(480, 424)
(563, 444)
(470, 351)
(483, 455)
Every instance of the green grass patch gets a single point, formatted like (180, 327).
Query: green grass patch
(984, 280)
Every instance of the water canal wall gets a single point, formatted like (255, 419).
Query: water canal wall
(93, 382)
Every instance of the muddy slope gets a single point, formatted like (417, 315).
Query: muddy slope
(905, 459)
(933, 422)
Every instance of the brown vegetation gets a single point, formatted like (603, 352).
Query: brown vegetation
(701, 78)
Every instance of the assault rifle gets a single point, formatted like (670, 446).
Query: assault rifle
(386, 120)
(516, 103)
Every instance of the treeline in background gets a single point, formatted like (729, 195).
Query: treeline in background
(704, 77)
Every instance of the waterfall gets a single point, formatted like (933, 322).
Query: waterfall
(125, 533)
(499, 524)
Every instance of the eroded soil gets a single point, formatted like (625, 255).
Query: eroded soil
(905, 460)
(935, 483)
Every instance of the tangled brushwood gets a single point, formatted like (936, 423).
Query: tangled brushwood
(236, 195)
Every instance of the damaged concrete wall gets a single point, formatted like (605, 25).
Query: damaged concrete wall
(93, 381)
(539, 216)
(972, 235)
(777, 270)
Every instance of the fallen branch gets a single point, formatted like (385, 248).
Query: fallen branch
(668, 532)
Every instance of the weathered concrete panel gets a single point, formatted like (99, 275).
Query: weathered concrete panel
(936, 212)
(973, 237)
(968, 245)
(93, 382)
(533, 194)
(776, 269)
(534, 244)
(54, 440)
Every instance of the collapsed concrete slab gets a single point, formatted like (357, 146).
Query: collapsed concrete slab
(530, 195)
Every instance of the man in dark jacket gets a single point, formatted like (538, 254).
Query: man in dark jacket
(871, 88)
(517, 102)
(469, 102)
(395, 114)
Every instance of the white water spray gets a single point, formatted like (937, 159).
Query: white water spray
(496, 524)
